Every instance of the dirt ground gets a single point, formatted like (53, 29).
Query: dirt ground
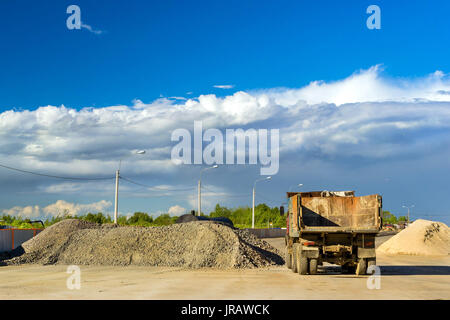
(402, 277)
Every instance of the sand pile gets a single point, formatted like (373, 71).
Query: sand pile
(422, 237)
(194, 245)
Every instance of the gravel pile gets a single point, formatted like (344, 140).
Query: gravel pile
(422, 237)
(192, 245)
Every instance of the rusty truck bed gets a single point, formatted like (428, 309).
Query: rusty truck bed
(348, 214)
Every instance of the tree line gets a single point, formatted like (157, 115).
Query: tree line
(390, 218)
(241, 217)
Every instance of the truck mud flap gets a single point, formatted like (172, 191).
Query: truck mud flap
(310, 252)
(366, 253)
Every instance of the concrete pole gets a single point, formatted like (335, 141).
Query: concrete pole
(200, 188)
(116, 204)
(253, 209)
(199, 197)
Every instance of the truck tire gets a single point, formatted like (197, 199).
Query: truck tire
(294, 257)
(361, 267)
(302, 262)
(312, 266)
(288, 258)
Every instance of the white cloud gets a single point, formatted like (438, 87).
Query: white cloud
(23, 212)
(367, 86)
(59, 208)
(365, 115)
(224, 86)
(177, 210)
(90, 29)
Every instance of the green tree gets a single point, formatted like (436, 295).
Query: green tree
(389, 218)
(164, 220)
(242, 216)
(140, 218)
(220, 212)
(97, 218)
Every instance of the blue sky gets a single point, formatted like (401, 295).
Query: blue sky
(169, 48)
(145, 51)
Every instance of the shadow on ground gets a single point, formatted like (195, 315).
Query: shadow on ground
(414, 270)
(398, 270)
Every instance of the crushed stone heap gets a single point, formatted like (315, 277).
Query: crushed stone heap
(191, 245)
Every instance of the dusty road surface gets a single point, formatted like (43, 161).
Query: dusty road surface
(402, 277)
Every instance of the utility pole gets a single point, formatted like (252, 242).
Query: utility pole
(200, 188)
(253, 206)
(199, 197)
(408, 216)
(408, 207)
(116, 204)
(116, 198)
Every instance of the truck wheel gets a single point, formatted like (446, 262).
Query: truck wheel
(288, 258)
(312, 266)
(361, 267)
(302, 263)
(294, 258)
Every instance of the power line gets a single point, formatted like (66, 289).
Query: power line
(153, 187)
(429, 215)
(54, 176)
(151, 195)
(228, 196)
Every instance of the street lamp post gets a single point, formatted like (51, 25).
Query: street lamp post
(116, 198)
(253, 206)
(200, 188)
(408, 207)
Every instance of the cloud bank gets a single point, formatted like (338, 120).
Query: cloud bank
(58, 209)
(363, 108)
(364, 117)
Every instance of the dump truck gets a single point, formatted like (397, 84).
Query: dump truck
(334, 227)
